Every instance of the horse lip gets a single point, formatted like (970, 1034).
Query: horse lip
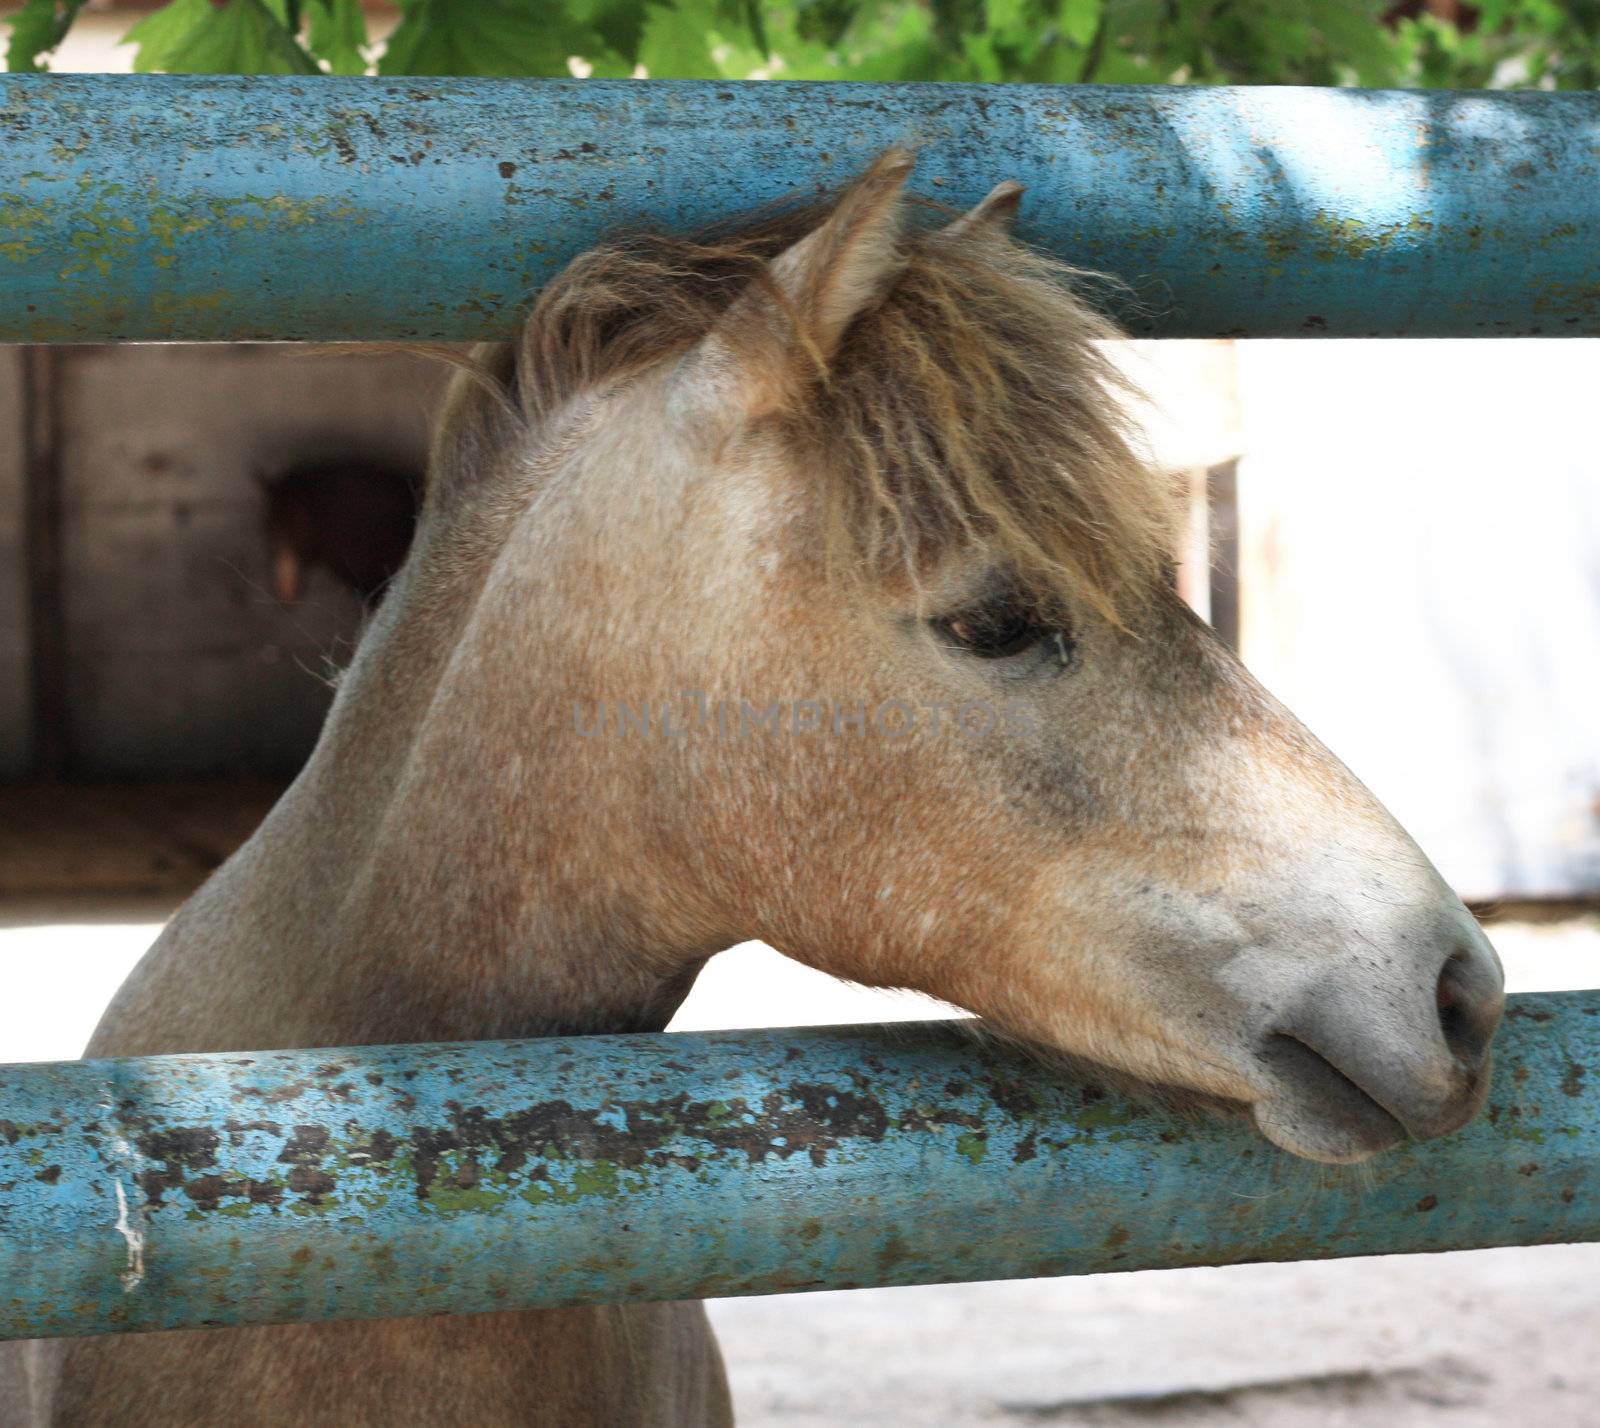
(1449, 1113)
(1310, 1084)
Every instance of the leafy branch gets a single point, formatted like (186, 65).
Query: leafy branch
(1549, 43)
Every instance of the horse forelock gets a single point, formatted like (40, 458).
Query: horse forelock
(976, 401)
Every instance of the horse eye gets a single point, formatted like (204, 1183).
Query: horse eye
(995, 630)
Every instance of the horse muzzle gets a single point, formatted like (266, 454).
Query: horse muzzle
(1359, 1063)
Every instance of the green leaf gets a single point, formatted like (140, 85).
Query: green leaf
(337, 34)
(677, 40)
(489, 38)
(749, 13)
(36, 29)
(824, 21)
(954, 18)
(197, 37)
(1079, 19)
(618, 23)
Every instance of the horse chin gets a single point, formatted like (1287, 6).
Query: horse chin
(1313, 1134)
(1317, 1113)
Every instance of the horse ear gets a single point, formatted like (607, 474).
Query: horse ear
(842, 268)
(785, 329)
(996, 211)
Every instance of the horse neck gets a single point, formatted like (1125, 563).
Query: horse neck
(418, 881)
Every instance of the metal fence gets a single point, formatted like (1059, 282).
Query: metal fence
(297, 1185)
(135, 208)
(247, 1188)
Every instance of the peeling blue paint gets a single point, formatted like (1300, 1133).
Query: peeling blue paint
(259, 1187)
(217, 209)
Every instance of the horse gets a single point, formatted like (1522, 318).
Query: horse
(856, 455)
(352, 518)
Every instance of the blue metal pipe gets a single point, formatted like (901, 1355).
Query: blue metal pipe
(246, 1188)
(219, 209)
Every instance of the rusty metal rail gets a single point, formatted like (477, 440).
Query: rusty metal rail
(380, 1181)
(217, 209)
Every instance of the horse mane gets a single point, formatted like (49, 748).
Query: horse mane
(975, 401)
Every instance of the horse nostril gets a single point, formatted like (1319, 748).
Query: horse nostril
(1469, 997)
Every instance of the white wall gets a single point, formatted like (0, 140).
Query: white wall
(1421, 584)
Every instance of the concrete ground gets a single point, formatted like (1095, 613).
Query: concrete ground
(1473, 1340)
(1482, 1339)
